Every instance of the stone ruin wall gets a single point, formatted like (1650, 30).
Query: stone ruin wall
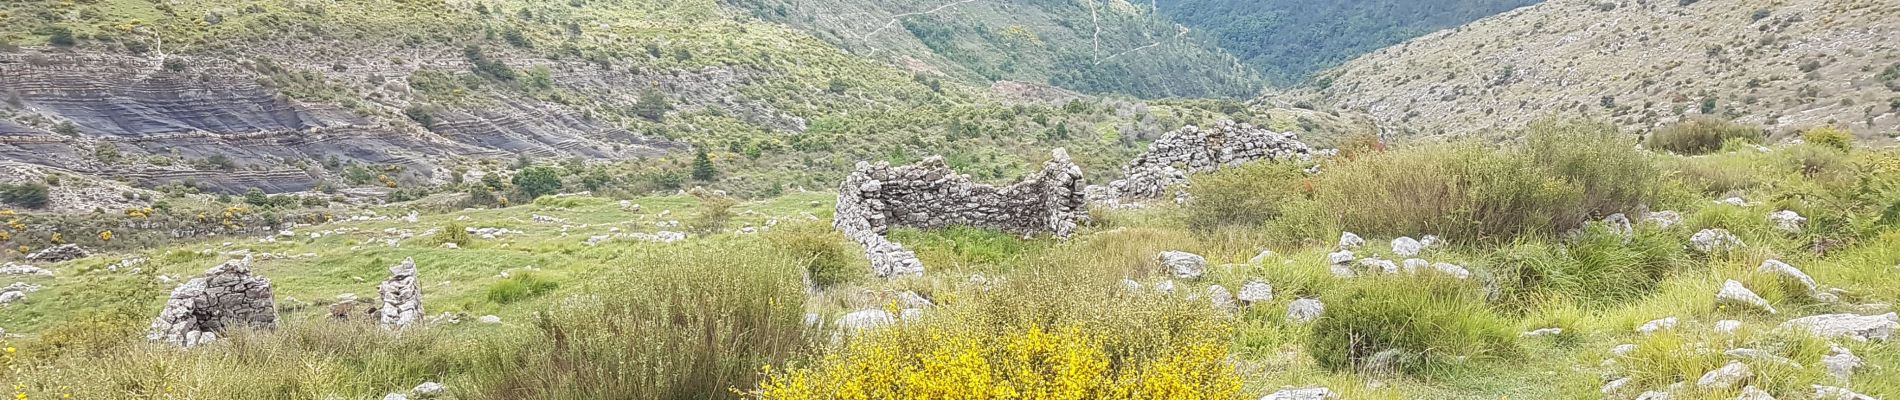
(930, 195)
(228, 296)
(1193, 150)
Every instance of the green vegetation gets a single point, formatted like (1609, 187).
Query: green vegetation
(1288, 40)
(1405, 325)
(28, 195)
(1702, 136)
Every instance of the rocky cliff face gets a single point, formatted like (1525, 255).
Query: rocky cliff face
(157, 118)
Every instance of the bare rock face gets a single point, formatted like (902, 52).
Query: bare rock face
(929, 195)
(402, 296)
(1196, 150)
(228, 296)
(58, 253)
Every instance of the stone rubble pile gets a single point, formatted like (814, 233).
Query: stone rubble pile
(228, 296)
(402, 296)
(58, 253)
(930, 195)
(1193, 150)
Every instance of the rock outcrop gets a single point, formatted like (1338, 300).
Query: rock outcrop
(228, 296)
(402, 296)
(58, 253)
(930, 195)
(1192, 150)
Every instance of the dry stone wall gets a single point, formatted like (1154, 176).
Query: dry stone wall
(402, 296)
(1192, 150)
(228, 296)
(930, 195)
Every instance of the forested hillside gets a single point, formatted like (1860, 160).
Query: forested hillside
(1289, 40)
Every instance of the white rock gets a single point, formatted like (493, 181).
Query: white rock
(1183, 265)
(1260, 258)
(1787, 221)
(1341, 257)
(1751, 393)
(1654, 326)
(1451, 269)
(1379, 265)
(1543, 332)
(1165, 287)
(1851, 326)
(1841, 363)
(1348, 241)
(1428, 240)
(1727, 326)
(1734, 201)
(488, 319)
(1623, 349)
(1759, 355)
(1838, 393)
(1406, 246)
(1664, 219)
(865, 319)
(1785, 271)
(1713, 240)
(1318, 393)
(395, 396)
(1220, 298)
(1412, 266)
(1613, 387)
(23, 269)
(1653, 395)
(1255, 291)
(1733, 293)
(1305, 310)
(429, 390)
(1131, 285)
(1726, 377)
(11, 296)
(1620, 224)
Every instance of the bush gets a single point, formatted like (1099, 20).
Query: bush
(537, 181)
(1701, 136)
(1597, 267)
(454, 233)
(1244, 196)
(28, 195)
(1829, 136)
(521, 286)
(825, 254)
(714, 212)
(1413, 325)
(1563, 175)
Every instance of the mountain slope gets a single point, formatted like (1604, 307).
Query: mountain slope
(1091, 46)
(1288, 40)
(1785, 65)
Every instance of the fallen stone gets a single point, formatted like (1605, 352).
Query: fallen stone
(1349, 241)
(1623, 349)
(1725, 377)
(1789, 272)
(1653, 395)
(1183, 264)
(1221, 299)
(1255, 291)
(1664, 219)
(865, 319)
(1733, 293)
(1759, 355)
(1341, 257)
(1787, 221)
(1452, 269)
(23, 269)
(1857, 327)
(1406, 246)
(1659, 325)
(1543, 332)
(1751, 393)
(1620, 224)
(1260, 258)
(1318, 393)
(1305, 310)
(488, 319)
(1727, 326)
(429, 390)
(60, 253)
(1838, 393)
(1841, 363)
(1613, 387)
(1713, 240)
(1379, 265)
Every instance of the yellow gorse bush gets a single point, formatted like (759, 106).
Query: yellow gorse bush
(1034, 363)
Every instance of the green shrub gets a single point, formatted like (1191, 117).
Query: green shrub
(28, 195)
(521, 286)
(1413, 325)
(714, 212)
(1829, 136)
(454, 233)
(1246, 196)
(1701, 136)
(1562, 176)
(1598, 266)
(537, 181)
(825, 254)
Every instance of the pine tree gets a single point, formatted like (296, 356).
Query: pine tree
(703, 167)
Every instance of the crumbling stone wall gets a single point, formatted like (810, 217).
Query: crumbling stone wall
(228, 296)
(1192, 150)
(402, 296)
(930, 195)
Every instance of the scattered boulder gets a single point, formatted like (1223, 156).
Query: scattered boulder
(16, 291)
(227, 296)
(1318, 393)
(1787, 221)
(1726, 377)
(1183, 264)
(429, 390)
(1734, 201)
(1613, 387)
(1341, 257)
(1131, 285)
(1751, 393)
(1653, 395)
(1260, 258)
(488, 319)
(402, 296)
(1659, 325)
(1221, 299)
(865, 319)
(1733, 293)
(1543, 332)
(60, 253)
(1841, 363)
(1759, 355)
(23, 269)
(1838, 393)
(1406, 246)
(1620, 224)
(1305, 310)
(1623, 349)
(1255, 291)
(1664, 219)
(1789, 272)
(1727, 326)
(1452, 269)
(1713, 240)
(1349, 241)
(1379, 265)
(1857, 327)
(395, 396)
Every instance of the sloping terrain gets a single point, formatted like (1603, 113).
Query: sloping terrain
(1289, 40)
(1092, 46)
(1784, 65)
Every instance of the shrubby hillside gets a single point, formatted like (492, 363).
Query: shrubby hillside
(1289, 40)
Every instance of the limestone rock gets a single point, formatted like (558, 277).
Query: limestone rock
(1654, 395)
(1623, 349)
(1318, 393)
(1725, 377)
(429, 390)
(227, 296)
(1841, 363)
(58, 253)
(1221, 299)
(1714, 240)
(1305, 310)
(23, 269)
(1851, 326)
(1613, 387)
(1787, 221)
(1659, 325)
(402, 296)
(1727, 326)
(1260, 258)
(1543, 332)
(1452, 269)
(1349, 241)
(1255, 291)
(1751, 393)
(1379, 265)
(865, 319)
(1620, 224)
(1838, 393)
(1785, 271)
(395, 396)
(1664, 219)
(488, 319)
(1759, 355)
(1183, 264)
(1341, 257)
(1733, 293)
(1406, 246)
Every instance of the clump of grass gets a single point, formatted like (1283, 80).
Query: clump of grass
(520, 286)
(1410, 325)
(1562, 176)
(827, 256)
(1702, 136)
(1246, 196)
(1830, 136)
(1598, 266)
(454, 233)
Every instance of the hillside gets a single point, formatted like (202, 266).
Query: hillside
(1785, 65)
(1289, 40)
(1091, 46)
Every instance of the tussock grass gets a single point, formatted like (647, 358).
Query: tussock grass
(1416, 325)
(1702, 136)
